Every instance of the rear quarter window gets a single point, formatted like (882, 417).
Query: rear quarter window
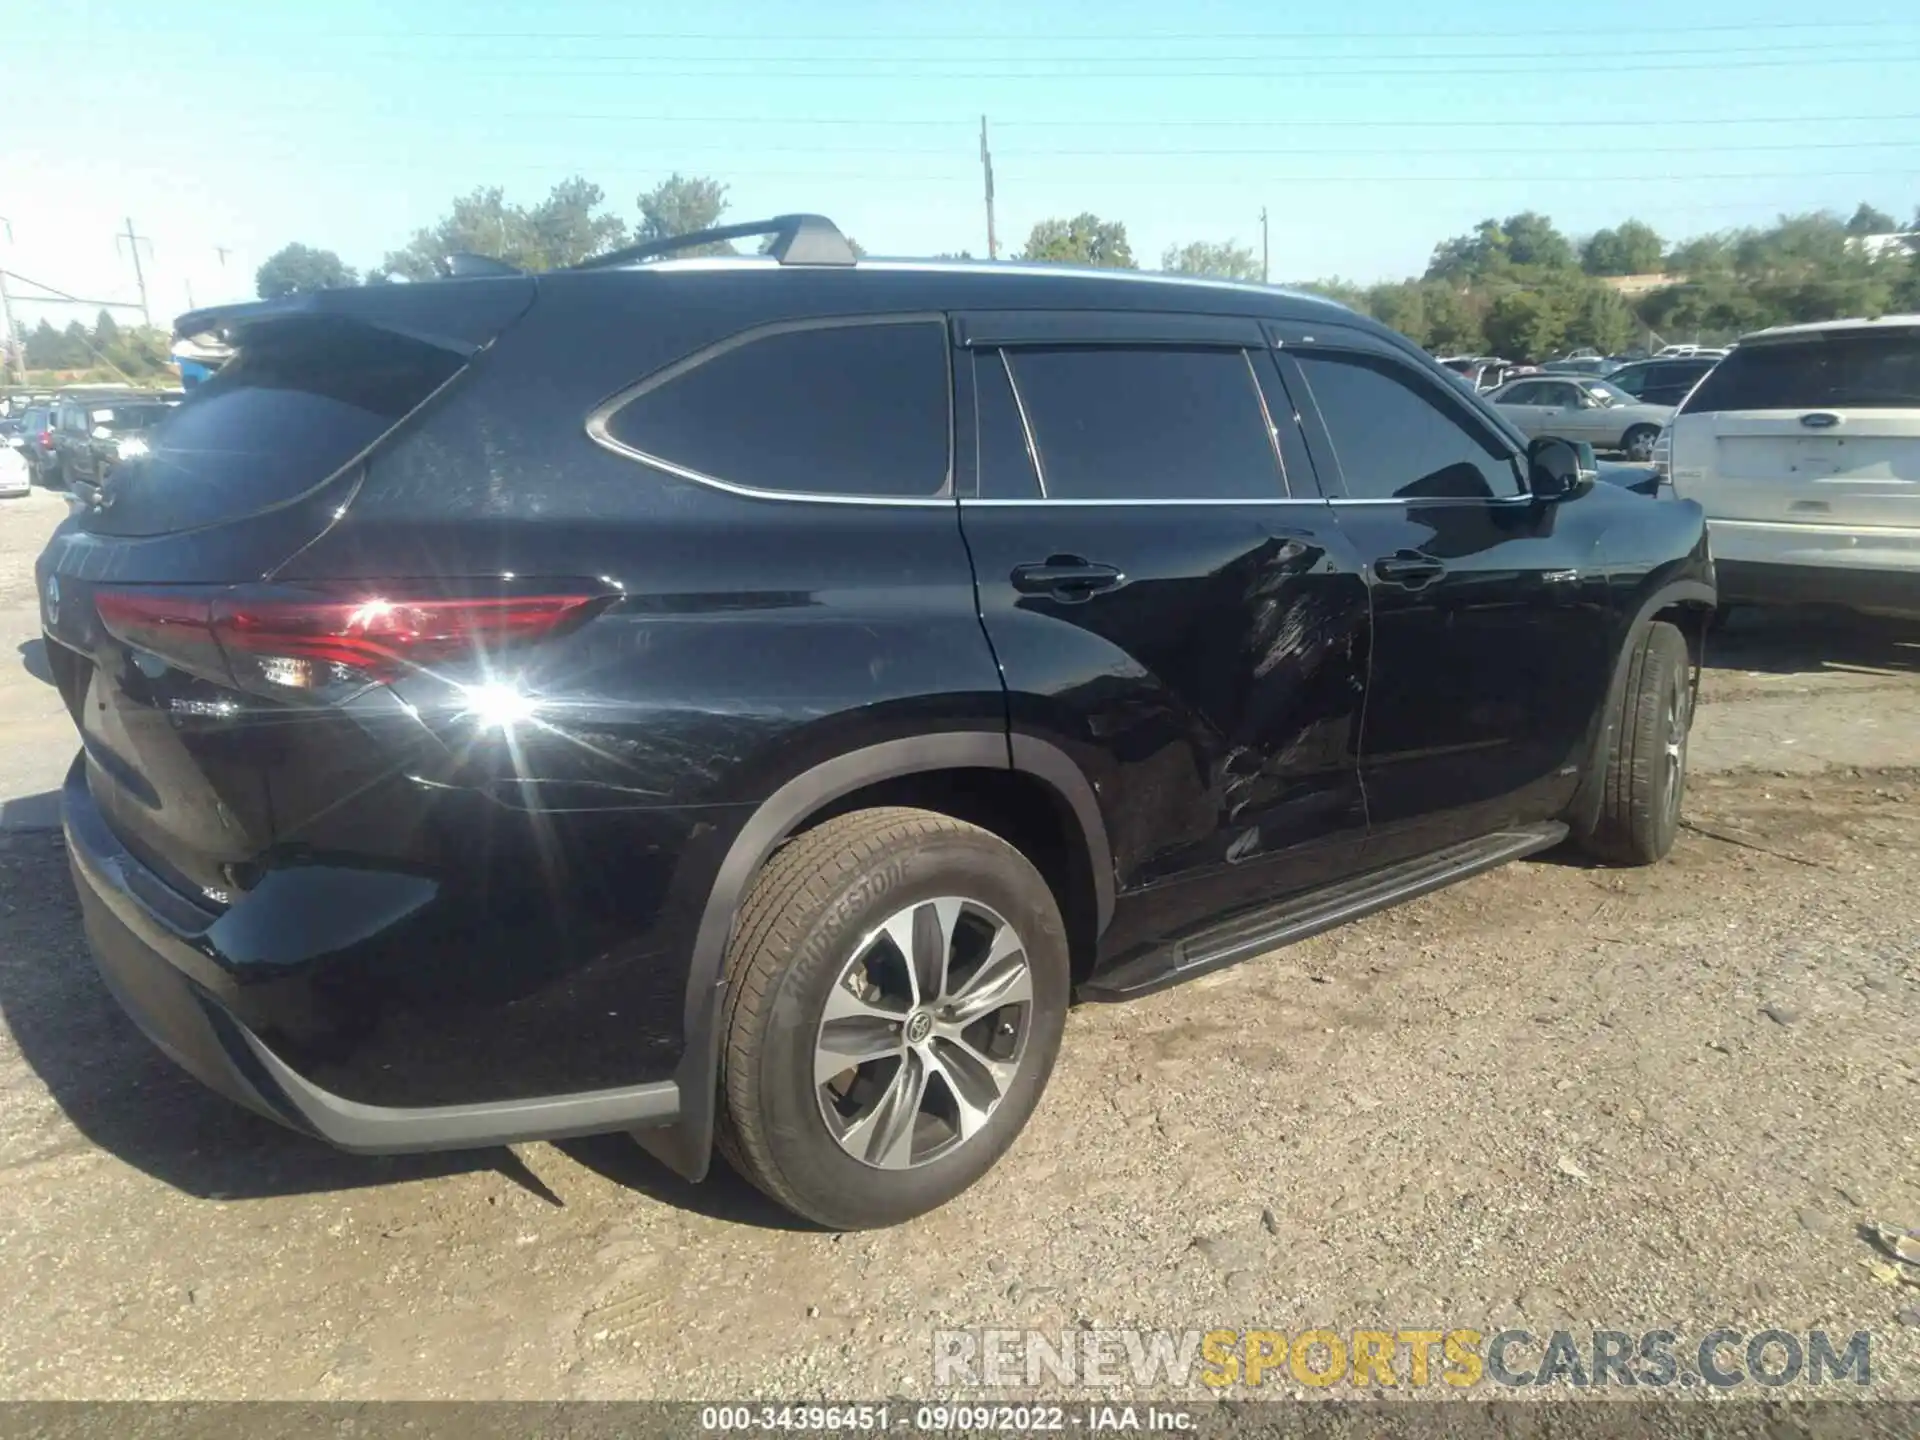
(1836, 371)
(845, 408)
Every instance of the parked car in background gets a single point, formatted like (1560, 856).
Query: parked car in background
(1803, 446)
(1661, 382)
(15, 478)
(1586, 409)
(36, 433)
(1483, 372)
(114, 430)
(1707, 352)
(1584, 365)
(632, 713)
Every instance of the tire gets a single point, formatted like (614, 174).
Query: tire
(820, 921)
(1638, 443)
(1646, 771)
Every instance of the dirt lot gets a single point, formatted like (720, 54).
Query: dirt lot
(1552, 1097)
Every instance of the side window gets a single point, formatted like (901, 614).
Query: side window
(1562, 394)
(1525, 393)
(1146, 423)
(1393, 441)
(853, 409)
(1006, 465)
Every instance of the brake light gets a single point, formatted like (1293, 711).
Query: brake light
(46, 439)
(1663, 454)
(321, 642)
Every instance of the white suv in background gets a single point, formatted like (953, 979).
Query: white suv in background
(1803, 447)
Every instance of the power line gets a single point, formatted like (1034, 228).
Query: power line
(1505, 123)
(1026, 54)
(1337, 36)
(890, 70)
(1562, 176)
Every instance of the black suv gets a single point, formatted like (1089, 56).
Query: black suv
(92, 434)
(1662, 382)
(744, 699)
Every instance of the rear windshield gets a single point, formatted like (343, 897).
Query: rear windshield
(1838, 370)
(296, 403)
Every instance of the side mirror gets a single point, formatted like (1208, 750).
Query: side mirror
(1560, 469)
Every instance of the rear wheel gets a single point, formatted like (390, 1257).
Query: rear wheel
(1647, 769)
(897, 988)
(1639, 442)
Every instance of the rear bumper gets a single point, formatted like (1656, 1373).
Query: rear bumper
(1870, 569)
(1893, 593)
(154, 952)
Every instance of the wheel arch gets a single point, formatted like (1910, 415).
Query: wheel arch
(686, 1146)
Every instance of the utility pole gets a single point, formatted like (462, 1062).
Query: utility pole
(986, 167)
(223, 252)
(12, 344)
(1263, 245)
(139, 276)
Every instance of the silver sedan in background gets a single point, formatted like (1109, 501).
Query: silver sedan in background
(1581, 408)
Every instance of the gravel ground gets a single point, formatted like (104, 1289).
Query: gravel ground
(1553, 1097)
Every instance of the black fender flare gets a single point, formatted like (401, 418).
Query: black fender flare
(1583, 812)
(686, 1146)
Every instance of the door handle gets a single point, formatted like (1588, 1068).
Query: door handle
(1408, 567)
(1065, 577)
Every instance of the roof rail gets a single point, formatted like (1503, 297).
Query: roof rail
(798, 240)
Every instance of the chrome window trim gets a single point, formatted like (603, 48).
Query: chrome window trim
(599, 418)
(1026, 425)
(1273, 431)
(1243, 502)
(1522, 499)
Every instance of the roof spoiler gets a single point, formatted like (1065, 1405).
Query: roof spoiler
(457, 317)
(798, 240)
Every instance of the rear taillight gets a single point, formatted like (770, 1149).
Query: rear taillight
(1663, 454)
(46, 439)
(322, 643)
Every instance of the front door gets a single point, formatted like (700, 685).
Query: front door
(1490, 612)
(1163, 606)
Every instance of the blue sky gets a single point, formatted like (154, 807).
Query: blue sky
(1369, 131)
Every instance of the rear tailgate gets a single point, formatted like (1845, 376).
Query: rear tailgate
(251, 468)
(1812, 429)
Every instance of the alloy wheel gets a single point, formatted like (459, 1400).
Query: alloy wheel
(923, 1032)
(1678, 724)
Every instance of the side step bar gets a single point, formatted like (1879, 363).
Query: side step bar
(1297, 917)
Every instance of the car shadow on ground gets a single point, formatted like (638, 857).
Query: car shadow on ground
(1803, 641)
(723, 1195)
(33, 659)
(123, 1095)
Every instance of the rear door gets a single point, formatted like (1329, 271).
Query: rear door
(1169, 600)
(1525, 404)
(1563, 414)
(1490, 643)
(1811, 429)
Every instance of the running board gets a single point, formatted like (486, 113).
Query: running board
(1247, 935)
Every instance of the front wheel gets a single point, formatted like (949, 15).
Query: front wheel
(897, 988)
(1639, 443)
(1647, 767)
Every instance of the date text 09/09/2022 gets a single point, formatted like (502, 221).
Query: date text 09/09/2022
(960, 1418)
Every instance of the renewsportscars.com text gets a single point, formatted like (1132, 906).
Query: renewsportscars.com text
(1658, 1360)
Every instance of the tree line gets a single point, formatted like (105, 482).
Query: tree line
(1517, 286)
(108, 351)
